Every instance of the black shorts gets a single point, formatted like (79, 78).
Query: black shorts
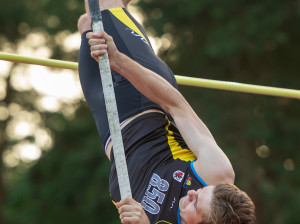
(130, 39)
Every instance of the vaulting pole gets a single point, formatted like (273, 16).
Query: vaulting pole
(111, 107)
(181, 80)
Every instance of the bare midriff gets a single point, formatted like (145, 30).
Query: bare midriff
(109, 145)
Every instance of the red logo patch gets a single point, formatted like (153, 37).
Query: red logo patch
(178, 175)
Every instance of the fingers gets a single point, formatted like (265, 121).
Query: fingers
(131, 217)
(130, 220)
(98, 43)
(133, 208)
(101, 43)
(132, 212)
(98, 50)
(126, 201)
(92, 35)
(98, 35)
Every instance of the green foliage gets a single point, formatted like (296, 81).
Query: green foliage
(18, 18)
(225, 39)
(69, 184)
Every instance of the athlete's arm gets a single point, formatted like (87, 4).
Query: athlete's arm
(212, 164)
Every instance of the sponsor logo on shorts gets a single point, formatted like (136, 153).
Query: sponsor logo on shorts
(178, 175)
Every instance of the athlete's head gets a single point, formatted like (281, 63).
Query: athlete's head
(220, 204)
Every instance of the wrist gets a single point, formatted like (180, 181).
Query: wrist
(115, 62)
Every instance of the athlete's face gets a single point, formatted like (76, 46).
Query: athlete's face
(195, 205)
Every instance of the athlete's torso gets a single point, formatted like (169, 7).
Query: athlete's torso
(159, 167)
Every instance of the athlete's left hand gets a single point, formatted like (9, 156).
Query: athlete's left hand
(132, 212)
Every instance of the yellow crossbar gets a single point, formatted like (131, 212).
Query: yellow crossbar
(38, 61)
(181, 80)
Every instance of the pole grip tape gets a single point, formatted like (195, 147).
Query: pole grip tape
(95, 11)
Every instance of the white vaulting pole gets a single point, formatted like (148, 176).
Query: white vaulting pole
(111, 107)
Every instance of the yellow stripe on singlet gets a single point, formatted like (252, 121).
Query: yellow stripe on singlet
(123, 17)
(177, 151)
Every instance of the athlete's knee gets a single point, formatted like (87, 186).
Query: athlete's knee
(84, 23)
(126, 2)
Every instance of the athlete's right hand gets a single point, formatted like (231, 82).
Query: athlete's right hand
(132, 212)
(101, 43)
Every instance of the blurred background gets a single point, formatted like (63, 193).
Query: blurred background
(52, 166)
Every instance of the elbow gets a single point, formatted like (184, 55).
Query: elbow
(229, 175)
(226, 175)
(167, 109)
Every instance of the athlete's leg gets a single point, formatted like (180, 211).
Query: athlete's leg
(84, 23)
(126, 2)
(129, 100)
(131, 40)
